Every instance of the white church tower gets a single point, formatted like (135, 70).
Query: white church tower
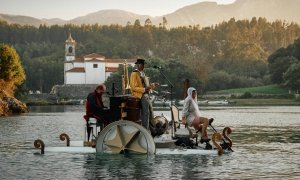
(69, 55)
(70, 48)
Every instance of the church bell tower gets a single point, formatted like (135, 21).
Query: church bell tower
(70, 49)
(69, 55)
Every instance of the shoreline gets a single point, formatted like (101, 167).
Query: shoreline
(231, 102)
(266, 102)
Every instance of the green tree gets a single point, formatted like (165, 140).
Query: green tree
(219, 80)
(11, 71)
(279, 67)
(292, 76)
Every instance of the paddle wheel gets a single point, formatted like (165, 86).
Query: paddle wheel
(125, 137)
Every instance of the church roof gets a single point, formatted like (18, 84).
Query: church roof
(94, 55)
(120, 60)
(77, 70)
(94, 60)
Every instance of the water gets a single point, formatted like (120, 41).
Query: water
(266, 144)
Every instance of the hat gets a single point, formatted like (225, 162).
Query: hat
(140, 61)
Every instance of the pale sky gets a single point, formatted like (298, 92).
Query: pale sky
(69, 9)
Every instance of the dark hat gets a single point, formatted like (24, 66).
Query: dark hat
(140, 61)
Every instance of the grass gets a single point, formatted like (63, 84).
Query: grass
(266, 102)
(270, 89)
(261, 96)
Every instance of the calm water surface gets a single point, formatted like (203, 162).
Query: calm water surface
(266, 143)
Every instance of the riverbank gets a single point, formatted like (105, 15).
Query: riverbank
(230, 102)
(264, 102)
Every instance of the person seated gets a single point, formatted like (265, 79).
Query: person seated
(191, 115)
(95, 107)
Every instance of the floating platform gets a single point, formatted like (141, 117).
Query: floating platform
(77, 147)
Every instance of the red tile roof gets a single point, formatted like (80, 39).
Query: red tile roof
(94, 55)
(77, 70)
(94, 60)
(120, 60)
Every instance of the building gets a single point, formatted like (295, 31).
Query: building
(89, 69)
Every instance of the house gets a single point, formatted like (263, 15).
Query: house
(89, 69)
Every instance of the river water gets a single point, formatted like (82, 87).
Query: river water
(266, 141)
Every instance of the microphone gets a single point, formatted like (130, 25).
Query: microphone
(157, 67)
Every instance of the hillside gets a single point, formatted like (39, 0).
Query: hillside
(203, 14)
(210, 13)
(108, 17)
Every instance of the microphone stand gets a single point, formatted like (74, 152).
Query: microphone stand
(171, 97)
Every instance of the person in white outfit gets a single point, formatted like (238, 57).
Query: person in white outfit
(191, 115)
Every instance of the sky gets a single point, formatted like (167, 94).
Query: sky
(69, 9)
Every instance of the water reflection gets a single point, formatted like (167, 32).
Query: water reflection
(165, 167)
(266, 141)
(56, 108)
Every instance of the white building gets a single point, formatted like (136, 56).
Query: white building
(89, 69)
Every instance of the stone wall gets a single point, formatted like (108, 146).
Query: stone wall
(62, 94)
(72, 91)
(41, 99)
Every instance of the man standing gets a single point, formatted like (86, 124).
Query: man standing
(140, 88)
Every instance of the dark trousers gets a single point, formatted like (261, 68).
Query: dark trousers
(147, 111)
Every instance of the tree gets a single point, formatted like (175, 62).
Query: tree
(292, 76)
(148, 22)
(165, 22)
(137, 23)
(281, 60)
(128, 23)
(279, 67)
(11, 71)
(219, 80)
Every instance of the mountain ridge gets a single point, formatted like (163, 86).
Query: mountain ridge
(203, 14)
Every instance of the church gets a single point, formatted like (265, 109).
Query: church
(88, 69)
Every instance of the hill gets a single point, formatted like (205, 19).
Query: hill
(210, 13)
(203, 14)
(107, 17)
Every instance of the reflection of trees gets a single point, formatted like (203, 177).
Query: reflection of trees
(266, 134)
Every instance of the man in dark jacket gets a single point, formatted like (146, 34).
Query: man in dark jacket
(96, 109)
(94, 104)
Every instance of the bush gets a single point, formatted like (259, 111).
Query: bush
(246, 95)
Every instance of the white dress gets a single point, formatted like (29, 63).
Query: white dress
(189, 111)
